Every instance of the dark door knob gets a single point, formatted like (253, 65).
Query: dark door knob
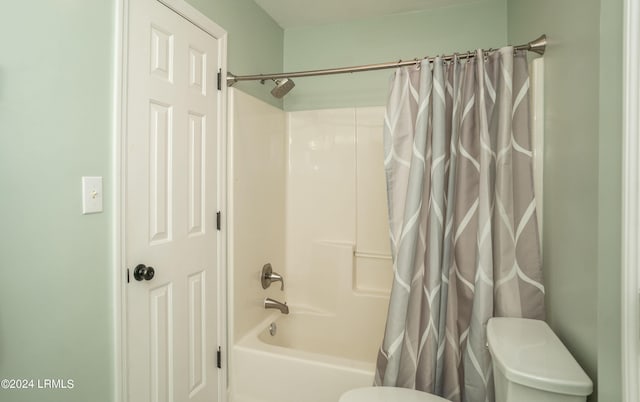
(143, 272)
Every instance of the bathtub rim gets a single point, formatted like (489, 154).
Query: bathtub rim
(251, 341)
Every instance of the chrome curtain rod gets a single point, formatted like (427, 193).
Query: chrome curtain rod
(537, 46)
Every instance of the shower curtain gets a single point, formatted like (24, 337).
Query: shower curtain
(462, 217)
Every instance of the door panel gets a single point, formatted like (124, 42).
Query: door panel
(171, 196)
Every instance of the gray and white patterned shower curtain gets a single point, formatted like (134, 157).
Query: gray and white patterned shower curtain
(462, 217)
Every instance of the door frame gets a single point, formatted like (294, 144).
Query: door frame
(630, 284)
(118, 199)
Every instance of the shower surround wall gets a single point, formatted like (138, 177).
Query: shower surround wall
(257, 207)
(307, 195)
(331, 241)
(337, 250)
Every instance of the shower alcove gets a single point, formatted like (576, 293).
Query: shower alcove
(308, 196)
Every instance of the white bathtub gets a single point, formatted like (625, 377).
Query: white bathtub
(310, 359)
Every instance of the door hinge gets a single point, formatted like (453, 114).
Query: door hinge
(220, 80)
(127, 275)
(219, 357)
(218, 219)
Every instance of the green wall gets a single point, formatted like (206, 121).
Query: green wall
(56, 270)
(609, 198)
(254, 43)
(379, 40)
(581, 176)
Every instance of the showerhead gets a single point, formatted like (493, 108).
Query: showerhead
(283, 87)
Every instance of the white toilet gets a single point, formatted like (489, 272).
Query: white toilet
(388, 394)
(530, 363)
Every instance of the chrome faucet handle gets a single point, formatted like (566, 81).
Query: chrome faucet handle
(269, 276)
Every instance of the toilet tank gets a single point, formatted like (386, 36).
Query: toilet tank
(530, 363)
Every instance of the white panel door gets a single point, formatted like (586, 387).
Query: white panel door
(171, 196)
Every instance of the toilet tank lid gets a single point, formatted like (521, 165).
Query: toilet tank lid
(527, 352)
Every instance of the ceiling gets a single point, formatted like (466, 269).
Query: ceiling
(300, 13)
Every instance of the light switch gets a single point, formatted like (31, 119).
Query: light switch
(91, 194)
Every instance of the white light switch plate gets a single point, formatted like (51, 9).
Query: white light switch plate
(91, 194)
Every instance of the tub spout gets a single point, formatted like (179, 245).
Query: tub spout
(270, 303)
